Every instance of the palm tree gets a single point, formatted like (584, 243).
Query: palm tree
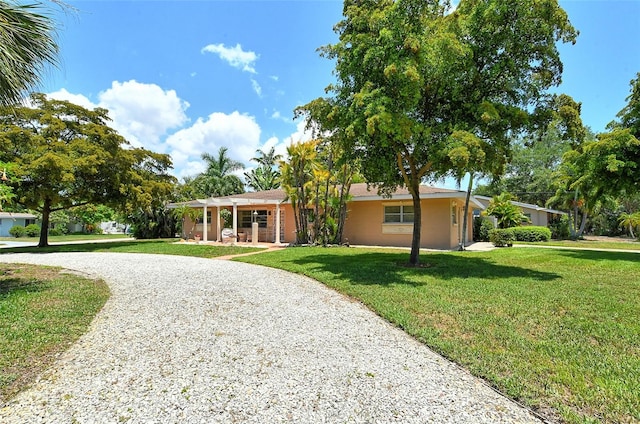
(264, 177)
(630, 221)
(217, 179)
(27, 45)
(507, 214)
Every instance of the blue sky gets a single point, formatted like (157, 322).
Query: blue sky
(187, 77)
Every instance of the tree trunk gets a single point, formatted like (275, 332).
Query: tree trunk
(44, 228)
(414, 259)
(466, 212)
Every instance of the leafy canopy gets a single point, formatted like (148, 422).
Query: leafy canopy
(67, 156)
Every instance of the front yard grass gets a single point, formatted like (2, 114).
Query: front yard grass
(165, 247)
(557, 330)
(43, 311)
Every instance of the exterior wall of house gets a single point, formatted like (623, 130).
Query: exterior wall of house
(536, 217)
(7, 223)
(365, 225)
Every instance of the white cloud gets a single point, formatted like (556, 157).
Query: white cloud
(234, 56)
(277, 115)
(256, 87)
(76, 99)
(238, 132)
(274, 77)
(143, 113)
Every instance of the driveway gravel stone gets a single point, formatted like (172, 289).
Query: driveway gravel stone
(189, 340)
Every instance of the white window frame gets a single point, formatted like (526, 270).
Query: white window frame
(402, 214)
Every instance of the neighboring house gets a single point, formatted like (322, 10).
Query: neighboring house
(537, 214)
(371, 219)
(11, 219)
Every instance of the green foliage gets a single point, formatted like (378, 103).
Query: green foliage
(507, 214)
(218, 179)
(531, 233)
(317, 181)
(422, 92)
(28, 46)
(560, 228)
(32, 230)
(631, 221)
(18, 231)
(152, 224)
(227, 218)
(265, 176)
(67, 156)
(630, 115)
(501, 237)
(481, 228)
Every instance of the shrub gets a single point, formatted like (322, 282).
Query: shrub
(531, 233)
(55, 231)
(32, 230)
(17, 231)
(501, 237)
(481, 228)
(560, 228)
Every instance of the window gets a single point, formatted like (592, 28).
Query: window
(200, 221)
(248, 217)
(398, 214)
(29, 221)
(454, 213)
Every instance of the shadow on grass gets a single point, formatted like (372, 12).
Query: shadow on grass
(21, 285)
(597, 255)
(79, 247)
(373, 268)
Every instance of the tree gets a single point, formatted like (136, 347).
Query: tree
(218, 180)
(67, 156)
(506, 213)
(28, 45)
(410, 74)
(297, 177)
(183, 212)
(630, 115)
(265, 176)
(630, 221)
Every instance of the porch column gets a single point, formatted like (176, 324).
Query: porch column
(218, 229)
(205, 224)
(235, 219)
(277, 223)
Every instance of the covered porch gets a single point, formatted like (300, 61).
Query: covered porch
(253, 220)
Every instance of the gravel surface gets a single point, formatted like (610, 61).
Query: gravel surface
(188, 340)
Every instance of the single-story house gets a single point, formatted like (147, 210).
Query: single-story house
(537, 214)
(371, 219)
(12, 219)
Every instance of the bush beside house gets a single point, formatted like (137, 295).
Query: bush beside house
(501, 237)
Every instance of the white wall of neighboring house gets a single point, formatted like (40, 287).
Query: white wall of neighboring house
(9, 220)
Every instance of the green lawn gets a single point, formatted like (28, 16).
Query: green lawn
(70, 237)
(43, 311)
(166, 247)
(557, 330)
(589, 244)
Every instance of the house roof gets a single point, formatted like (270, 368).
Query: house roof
(487, 199)
(358, 192)
(17, 215)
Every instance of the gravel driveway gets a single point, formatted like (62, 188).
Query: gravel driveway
(188, 340)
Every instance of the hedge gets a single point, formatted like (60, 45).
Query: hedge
(506, 236)
(531, 233)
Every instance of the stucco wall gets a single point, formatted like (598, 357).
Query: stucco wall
(364, 225)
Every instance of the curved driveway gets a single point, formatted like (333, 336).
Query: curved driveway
(189, 340)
